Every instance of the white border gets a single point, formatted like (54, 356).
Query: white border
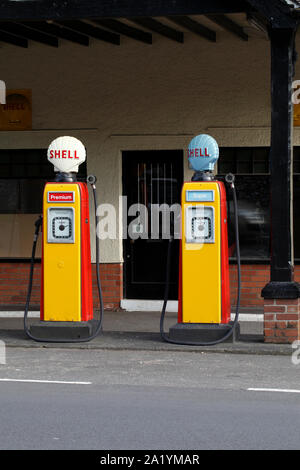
(131, 305)
(136, 305)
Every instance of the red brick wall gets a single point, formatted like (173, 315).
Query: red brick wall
(281, 320)
(111, 276)
(14, 282)
(254, 278)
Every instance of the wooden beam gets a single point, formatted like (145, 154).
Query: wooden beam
(69, 9)
(160, 28)
(90, 30)
(229, 25)
(281, 165)
(59, 31)
(14, 40)
(126, 30)
(276, 13)
(28, 33)
(259, 22)
(194, 27)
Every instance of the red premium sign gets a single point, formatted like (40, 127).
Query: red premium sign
(61, 196)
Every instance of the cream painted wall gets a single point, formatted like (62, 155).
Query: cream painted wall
(136, 97)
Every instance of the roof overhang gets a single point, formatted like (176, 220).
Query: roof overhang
(75, 9)
(47, 22)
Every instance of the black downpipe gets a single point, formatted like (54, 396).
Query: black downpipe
(38, 224)
(230, 181)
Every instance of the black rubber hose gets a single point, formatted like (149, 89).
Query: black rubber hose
(164, 336)
(38, 225)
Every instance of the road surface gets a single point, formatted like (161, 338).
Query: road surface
(92, 399)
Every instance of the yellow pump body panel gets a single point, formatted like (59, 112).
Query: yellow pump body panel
(201, 253)
(61, 253)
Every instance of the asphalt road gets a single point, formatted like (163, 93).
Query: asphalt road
(147, 400)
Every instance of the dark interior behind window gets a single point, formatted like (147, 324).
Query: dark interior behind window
(23, 174)
(251, 167)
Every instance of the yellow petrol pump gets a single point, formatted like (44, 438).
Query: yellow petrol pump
(66, 307)
(204, 290)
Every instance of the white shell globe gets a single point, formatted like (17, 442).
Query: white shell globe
(66, 154)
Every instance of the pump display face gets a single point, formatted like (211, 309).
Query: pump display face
(60, 225)
(200, 224)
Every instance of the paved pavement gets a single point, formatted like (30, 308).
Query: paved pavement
(140, 331)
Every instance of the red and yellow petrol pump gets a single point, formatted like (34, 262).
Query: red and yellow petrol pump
(204, 254)
(66, 260)
(66, 310)
(204, 290)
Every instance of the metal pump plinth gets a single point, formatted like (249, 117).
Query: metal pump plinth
(61, 330)
(203, 332)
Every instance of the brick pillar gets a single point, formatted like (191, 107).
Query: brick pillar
(281, 320)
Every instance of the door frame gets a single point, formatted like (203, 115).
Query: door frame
(124, 193)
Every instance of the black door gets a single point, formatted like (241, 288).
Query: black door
(150, 179)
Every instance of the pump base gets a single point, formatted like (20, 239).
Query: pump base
(61, 330)
(203, 332)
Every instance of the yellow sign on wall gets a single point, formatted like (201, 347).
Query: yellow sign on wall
(296, 115)
(16, 114)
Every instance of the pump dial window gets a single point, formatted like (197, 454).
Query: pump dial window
(201, 227)
(60, 225)
(199, 224)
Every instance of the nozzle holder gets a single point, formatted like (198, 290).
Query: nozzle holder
(230, 178)
(91, 179)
